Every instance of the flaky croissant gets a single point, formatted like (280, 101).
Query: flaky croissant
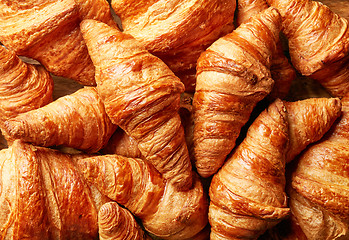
(319, 193)
(165, 211)
(23, 86)
(117, 223)
(247, 195)
(233, 75)
(318, 42)
(48, 31)
(142, 96)
(176, 31)
(282, 71)
(43, 196)
(78, 120)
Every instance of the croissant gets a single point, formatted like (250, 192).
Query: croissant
(115, 222)
(48, 31)
(78, 120)
(23, 86)
(165, 211)
(233, 75)
(282, 71)
(44, 197)
(176, 31)
(318, 42)
(247, 195)
(319, 196)
(142, 96)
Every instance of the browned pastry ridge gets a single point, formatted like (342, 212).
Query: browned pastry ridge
(43, 196)
(48, 31)
(165, 211)
(117, 223)
(247, 195)
(23, 87)
(142, 96)
(176, 31)
(233, 75)
(319, 196)
(78, 120)
(318, 42)
(282, 71)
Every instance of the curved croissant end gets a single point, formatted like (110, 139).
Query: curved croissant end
(43, 196)
(117, 223)
(48, 31)
(78, 120)
(164, 211)
(233, 75)
(23, 87)
(248, 193)
(176, 31)
(319, 197)
(142, 96)
(282, 71)
(318, 42)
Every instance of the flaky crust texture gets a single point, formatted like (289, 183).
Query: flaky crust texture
(48, 31)
(141, 95)
(319, 194)
(23, 87)
(44, 197)
(248, 193)
(117, 223)
(164, 211)
(78, 120)
(176, 31)
(318, 42)
(282, 71)
(233, 75)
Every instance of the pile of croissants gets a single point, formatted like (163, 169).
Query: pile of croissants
(182, 126)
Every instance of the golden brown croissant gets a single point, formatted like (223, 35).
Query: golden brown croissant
(247, 194)
(319, 197)
(176, 31)
(282, 71)
(78, 120)
(142, 96)
(115, 222)
(233, 75)
(43, 196)
(318, 42)
(165, 211)
(48, 31)
(122, 144)
(23, 86)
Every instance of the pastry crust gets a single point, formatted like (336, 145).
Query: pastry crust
(48, 31)
(233, 75)
(142, 96)
(247, 195)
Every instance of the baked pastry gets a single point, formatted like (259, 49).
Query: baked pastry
(247, 195)
(142, 96)
(48, 31)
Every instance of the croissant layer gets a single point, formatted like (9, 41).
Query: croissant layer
(248, 193)
(48, 31)
(165, 211)
(44, 197)
(23, 87)
(319, 196)
(233, 75)
(318, 42)
(78, 120)
(141, 95)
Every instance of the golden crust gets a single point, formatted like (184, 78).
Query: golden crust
(233, 75)
(48, 31)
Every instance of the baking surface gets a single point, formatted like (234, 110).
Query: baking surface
(301, 88)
